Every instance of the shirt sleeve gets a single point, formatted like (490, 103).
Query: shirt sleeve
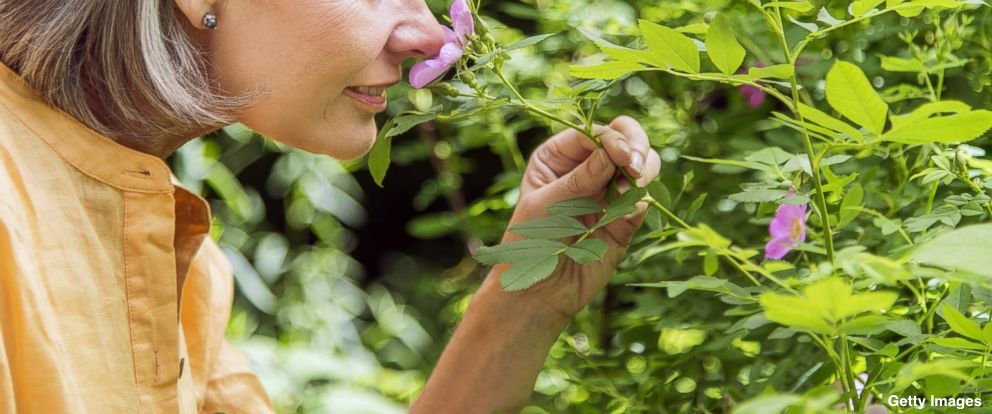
(7, 396)
(232, 386)
(223, 375)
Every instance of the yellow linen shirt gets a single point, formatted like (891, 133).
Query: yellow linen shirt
(113, 299)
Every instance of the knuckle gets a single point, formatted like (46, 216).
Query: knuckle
(573, 184)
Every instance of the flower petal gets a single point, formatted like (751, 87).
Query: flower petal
(461, 19)
(449, 35)
(426, 71)
(778, 247)
(450, 53)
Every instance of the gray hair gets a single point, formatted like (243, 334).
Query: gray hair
(125, 68)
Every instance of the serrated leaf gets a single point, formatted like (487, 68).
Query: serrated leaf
(850, 208)
(927, 110)
(957, 343)
(721, 45)
(823, 119)
(575, 207)
(799, 6)
(758, 196)
(532, 40)
(517, 251)
(669, 48)
(526, 273)
(850, 93)
(960, 127)
(551, 227)
(783, 71)
(623, 205)
(960, 323)
(607, 70)
(587, 251)
(406, 121)
(860, 7)
(898, 64)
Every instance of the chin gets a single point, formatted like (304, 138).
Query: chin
(342, 144)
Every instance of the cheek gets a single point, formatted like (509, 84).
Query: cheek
(297, 73)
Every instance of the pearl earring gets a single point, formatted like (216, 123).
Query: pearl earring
(210, 20)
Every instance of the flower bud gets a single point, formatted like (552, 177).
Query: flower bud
(445, 89)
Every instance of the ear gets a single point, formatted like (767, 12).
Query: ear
(194, 10)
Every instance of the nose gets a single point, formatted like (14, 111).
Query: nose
(418, 34)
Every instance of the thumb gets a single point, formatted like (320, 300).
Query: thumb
(588, 179)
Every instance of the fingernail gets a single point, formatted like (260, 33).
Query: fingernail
(623, 146)
(636, 161)
(623, 186)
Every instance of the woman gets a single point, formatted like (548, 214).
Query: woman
(112, 298)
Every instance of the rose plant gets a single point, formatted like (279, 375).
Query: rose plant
(874, 274)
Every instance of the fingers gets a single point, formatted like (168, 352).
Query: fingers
(638, 140)
(589, 179)
(651, 168)
(619, 232)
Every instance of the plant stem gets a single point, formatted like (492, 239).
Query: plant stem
(821, 200)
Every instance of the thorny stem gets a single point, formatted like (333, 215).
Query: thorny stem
(821, 200)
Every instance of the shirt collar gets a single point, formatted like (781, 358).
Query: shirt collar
(95, 155)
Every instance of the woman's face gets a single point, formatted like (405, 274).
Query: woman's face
(319, 67)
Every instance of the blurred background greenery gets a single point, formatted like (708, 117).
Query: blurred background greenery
(347, 292)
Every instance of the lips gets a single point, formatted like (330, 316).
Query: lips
(372, 98)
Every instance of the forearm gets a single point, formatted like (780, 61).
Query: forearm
(493, 358)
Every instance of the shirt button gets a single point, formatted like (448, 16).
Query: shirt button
(182, 362)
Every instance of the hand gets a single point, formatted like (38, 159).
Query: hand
(569, 165)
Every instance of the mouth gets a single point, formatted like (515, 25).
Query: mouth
(370, 97)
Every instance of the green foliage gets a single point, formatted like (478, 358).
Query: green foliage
(875, 114)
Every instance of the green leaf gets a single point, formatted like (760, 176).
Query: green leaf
(758, 196)
(532, 40)
(551, 227)
(606, 70)
(799, 6)
(767, 404)
(669, 48)
(703, 283)
(987, 333)
(587, 251)
(960, 323)
(850, 208)
(526, 273)
(898, 64)
(575, 207)
(957, 343)
(860, 7)
(927, 110)
(783, 71)
(850, 93)
(622, 206)
(721, 45)
(947, 367)
(379, 158)
(711, 263)
(823, 119)
(960, 127)
(865, 325)
(967, 248)
(794, 311)
(517, 251)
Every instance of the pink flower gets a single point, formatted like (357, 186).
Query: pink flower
(788, 229)
(753, 96)
(427, 71)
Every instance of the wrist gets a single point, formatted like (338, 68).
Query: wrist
(528, 306)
